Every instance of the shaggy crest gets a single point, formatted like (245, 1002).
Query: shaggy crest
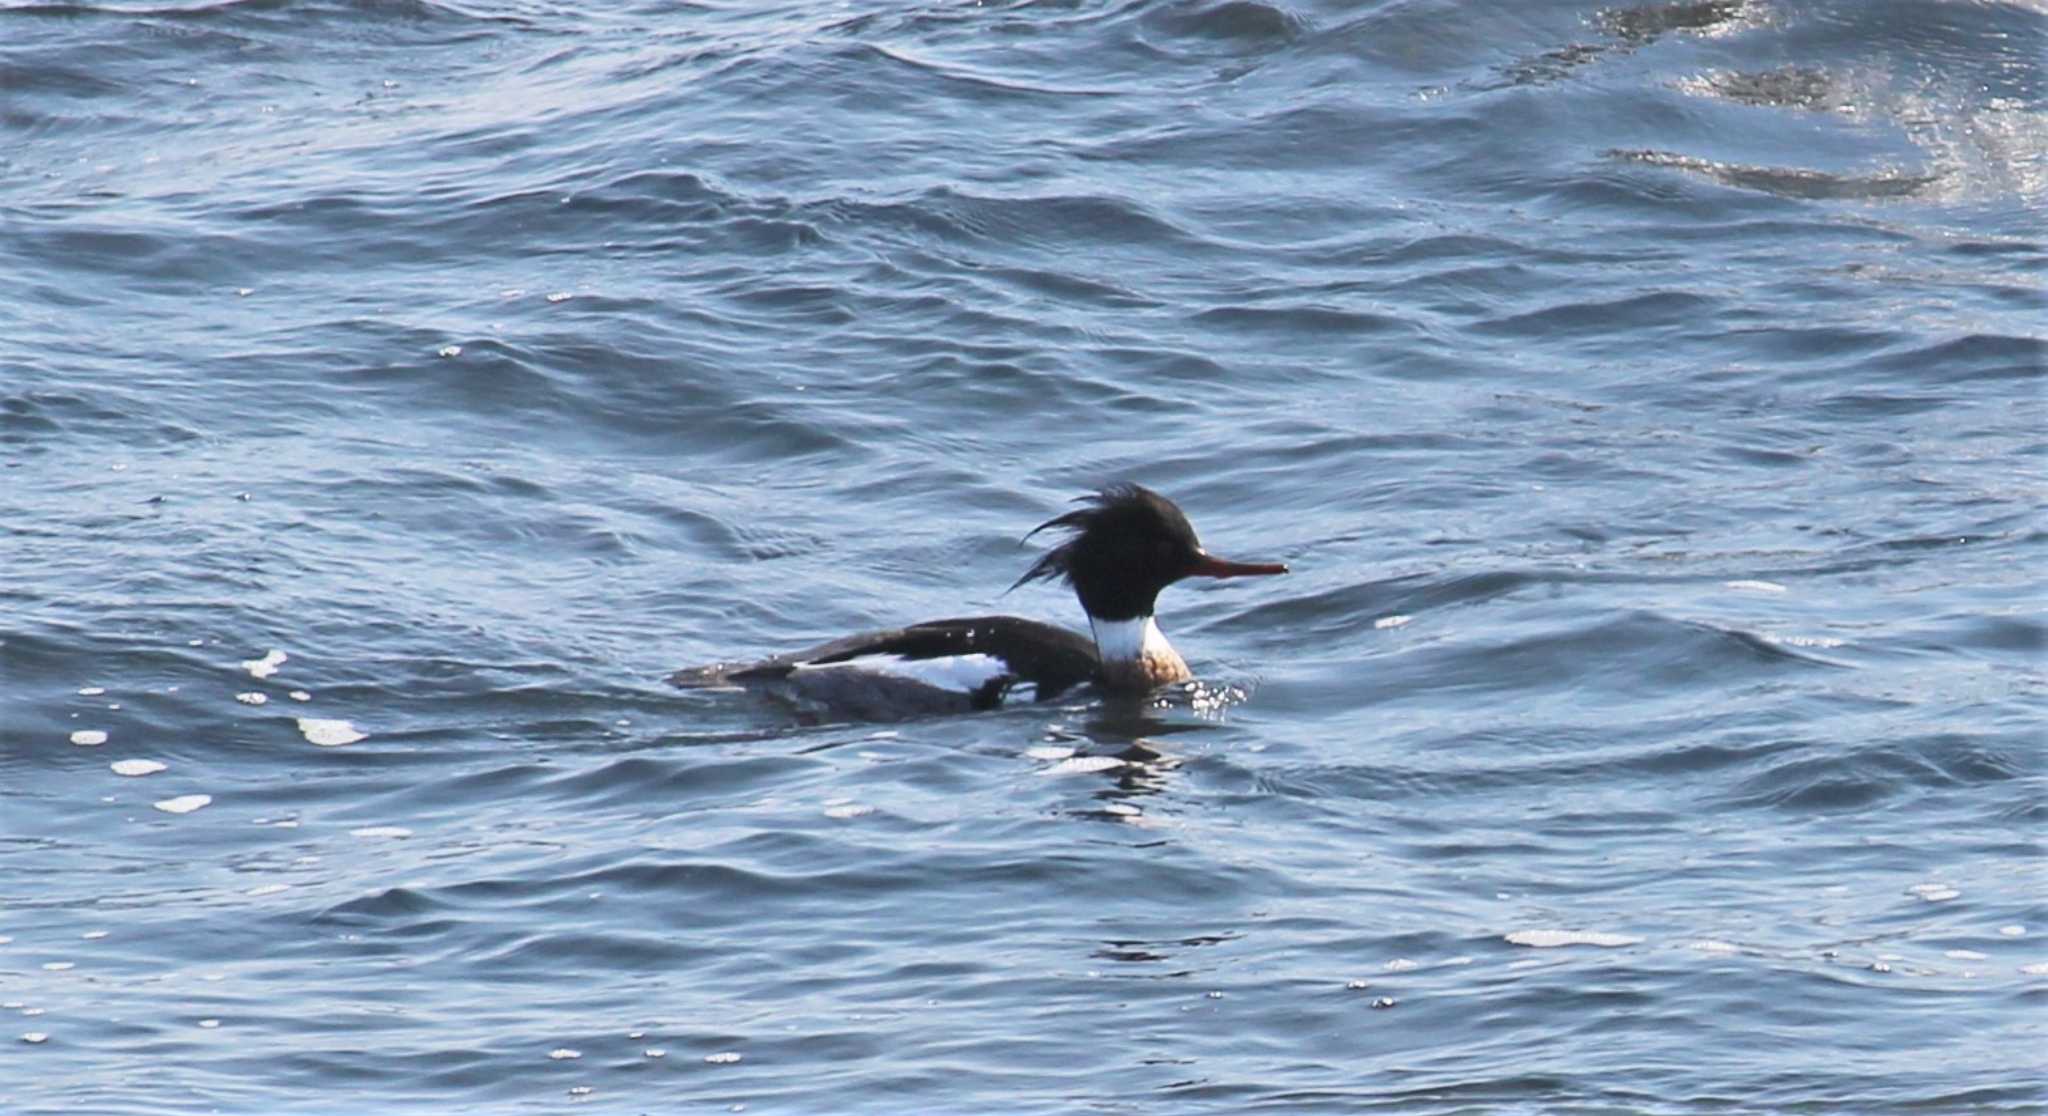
(1130, 509)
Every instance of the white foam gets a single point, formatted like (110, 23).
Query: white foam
(2013, 931)
(1082, 764)
(1965, 955)
(91, 691)
(1755, 586)
(723, 1058)
(60, 966)
(373, 831)
(261, 890)
(184, 803)
(88, 738)
(136, 767)
(1048, 751)
(1395, 621)
(300, 695)
(35, 1037)
(1823, 642)
(93, 935)
(329, 733)
(1711, 945)
(1552, 939)
(2038, 968)
(251, 698)
(1401, 965)
(209, 1024)
(265, 666)
(1934, 892)
(848, 810)
(564, 1054)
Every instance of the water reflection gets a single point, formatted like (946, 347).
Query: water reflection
(1124, 740)
(1151, 950)
(1791, 182)
(1641, 26)
(1629, 30)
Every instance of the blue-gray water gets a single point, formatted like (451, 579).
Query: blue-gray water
(1648, 399)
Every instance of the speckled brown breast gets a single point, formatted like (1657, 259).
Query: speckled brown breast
(1156, 667)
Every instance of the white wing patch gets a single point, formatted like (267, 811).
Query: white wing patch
(963, 674)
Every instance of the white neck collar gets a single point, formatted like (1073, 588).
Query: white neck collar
(1128, 641)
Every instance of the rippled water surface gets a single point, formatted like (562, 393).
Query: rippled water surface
(1648, 400)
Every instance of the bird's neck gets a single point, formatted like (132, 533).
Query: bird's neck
(1135, 654)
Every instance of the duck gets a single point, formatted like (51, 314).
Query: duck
(1117, 551)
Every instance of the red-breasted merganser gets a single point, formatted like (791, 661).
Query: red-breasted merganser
(1125, 545)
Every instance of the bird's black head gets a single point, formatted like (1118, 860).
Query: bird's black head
(1125, 545)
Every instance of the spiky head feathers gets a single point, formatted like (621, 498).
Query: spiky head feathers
(1122, 547)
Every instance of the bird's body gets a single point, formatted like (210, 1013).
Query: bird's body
(1125, 546)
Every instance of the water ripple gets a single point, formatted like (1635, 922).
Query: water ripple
(1644, 395)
